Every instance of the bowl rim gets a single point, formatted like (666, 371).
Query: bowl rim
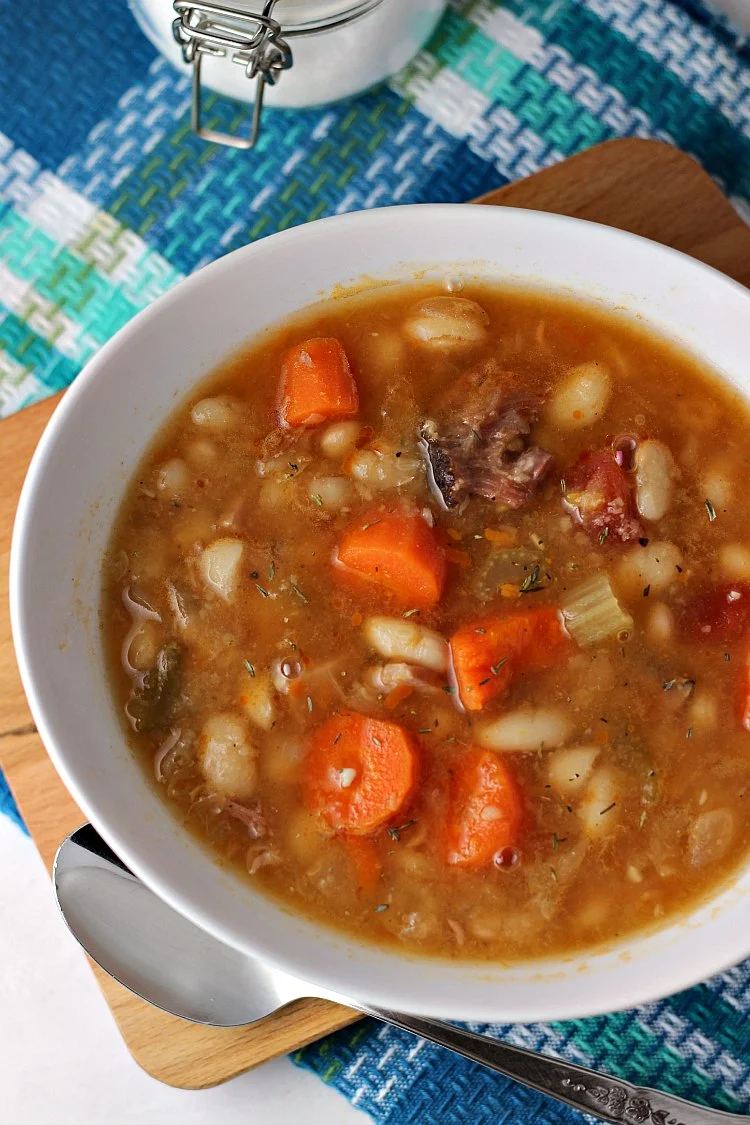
(596, 1001)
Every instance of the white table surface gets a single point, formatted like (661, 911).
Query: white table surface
(62, 1061)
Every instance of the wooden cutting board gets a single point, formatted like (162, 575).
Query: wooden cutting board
(640, 186)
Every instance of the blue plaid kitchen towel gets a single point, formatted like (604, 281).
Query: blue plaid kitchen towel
(107, 199)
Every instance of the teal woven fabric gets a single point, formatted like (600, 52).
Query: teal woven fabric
(107, 199)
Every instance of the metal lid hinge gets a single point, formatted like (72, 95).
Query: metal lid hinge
(249, 39)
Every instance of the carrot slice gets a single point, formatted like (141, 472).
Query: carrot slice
(399, 551)
(487, 653)
(484, 810)
(359, 772)
(365, 859)
(316, 383)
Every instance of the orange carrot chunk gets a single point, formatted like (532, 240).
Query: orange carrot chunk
(365, 861)
(316, 383)
(488, 652)
(359, 772)
(399, 551)
(484, 810)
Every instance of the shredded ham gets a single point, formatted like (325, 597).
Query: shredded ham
(251, 817)
(264, 859)
(477, 444)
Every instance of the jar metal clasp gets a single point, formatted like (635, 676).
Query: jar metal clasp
(250, 39)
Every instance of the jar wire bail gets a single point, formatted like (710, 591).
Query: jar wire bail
(250, 39)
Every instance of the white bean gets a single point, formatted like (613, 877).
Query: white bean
(385, 677)
(582, 397)
(660, 624)
(220, 566)
(734, 560)
(710, 837)
(257, 700)
(526, 729)
(227, 758)
(200, 453)
(704, 711)
(276, 468)
(192, 527)
(381, 353)
(717, 487)
(303, 836)
(280, 760)
(274, 494)
(655, 474)
(598, 809)
(398, 638)
(172, 477)
(340, 439)
(216, 413)
(654, 566)
(569, 770)
(331, 492)
(383, 470)
(447, 322)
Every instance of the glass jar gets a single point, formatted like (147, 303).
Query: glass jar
(291, 53)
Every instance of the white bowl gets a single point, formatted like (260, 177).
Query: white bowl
(77, 479)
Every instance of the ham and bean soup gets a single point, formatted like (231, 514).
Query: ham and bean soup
(430, 612)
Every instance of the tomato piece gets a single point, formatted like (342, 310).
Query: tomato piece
(721, 614)
(599, 494)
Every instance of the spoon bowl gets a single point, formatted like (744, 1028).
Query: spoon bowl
(163, 958)
(154, 951)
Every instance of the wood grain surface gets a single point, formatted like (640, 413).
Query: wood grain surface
(640, 186)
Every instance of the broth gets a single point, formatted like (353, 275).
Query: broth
(430, 613)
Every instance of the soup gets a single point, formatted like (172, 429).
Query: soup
(428, 612)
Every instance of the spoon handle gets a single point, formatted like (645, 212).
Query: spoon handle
(600, 1095)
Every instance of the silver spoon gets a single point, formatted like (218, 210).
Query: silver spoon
(165, 959)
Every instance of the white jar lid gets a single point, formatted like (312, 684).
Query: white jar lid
(312, 14)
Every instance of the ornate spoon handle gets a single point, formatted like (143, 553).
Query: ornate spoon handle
(600, 1095)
